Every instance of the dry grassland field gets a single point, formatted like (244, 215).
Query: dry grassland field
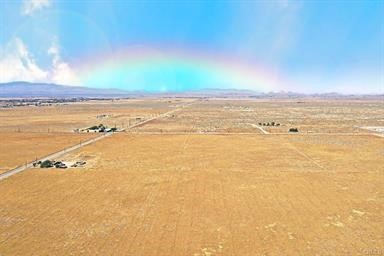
(200, 181)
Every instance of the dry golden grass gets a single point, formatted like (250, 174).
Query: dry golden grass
(18, 148)
(202, 195)
(196, 194)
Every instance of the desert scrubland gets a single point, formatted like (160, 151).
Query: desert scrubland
(70, 116)
(308, 116)
(201, 181)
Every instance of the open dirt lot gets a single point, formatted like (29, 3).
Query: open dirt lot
(202, 195)
(18, 148)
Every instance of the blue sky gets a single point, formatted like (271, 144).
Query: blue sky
(304, 46)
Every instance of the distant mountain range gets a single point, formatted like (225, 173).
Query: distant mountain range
(35, 90)
(44, 90)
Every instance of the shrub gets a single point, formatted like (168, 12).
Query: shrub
(46, 164)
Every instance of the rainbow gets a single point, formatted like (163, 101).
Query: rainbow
(140, 68)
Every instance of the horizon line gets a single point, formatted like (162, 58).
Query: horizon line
(196, 90)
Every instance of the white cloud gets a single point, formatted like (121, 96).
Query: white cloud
(30, 6)
(18, 64)
(63, 74)
(61, 71)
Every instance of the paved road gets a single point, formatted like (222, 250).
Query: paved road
(67, 150)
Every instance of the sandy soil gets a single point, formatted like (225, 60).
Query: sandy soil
(202, 195)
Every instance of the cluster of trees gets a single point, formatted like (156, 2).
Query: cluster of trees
(102, 128)
(269, 124)
(49, 164)
(99, 127)
(46, 164)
